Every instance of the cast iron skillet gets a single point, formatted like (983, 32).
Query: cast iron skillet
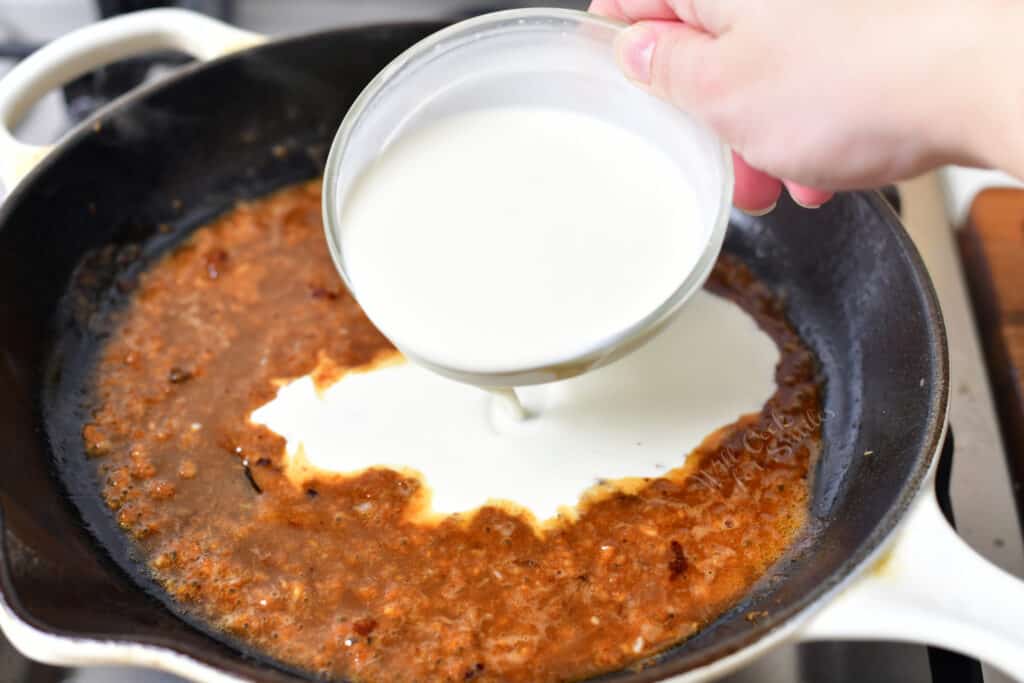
(176, 155)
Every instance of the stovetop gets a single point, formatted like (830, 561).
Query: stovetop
(974, 484)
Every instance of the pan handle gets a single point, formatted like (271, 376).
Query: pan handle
(930, 587)
(91, 47)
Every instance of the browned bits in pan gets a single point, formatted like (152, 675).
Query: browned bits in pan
(177, 375)
(96, 442)
(364, 627)
(187, 469)
(141, 466)
(216, 263)
(677, 564)
(160, 489)
(251, 479)
(323, 293)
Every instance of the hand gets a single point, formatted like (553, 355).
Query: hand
(835, 94)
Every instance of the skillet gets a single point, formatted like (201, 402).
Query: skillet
(136, 178)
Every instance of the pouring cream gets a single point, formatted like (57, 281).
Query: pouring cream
(502, 238)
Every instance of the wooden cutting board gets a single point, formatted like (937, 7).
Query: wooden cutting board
(992, 247)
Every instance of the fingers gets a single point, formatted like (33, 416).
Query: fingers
(807, 197)
(670, 58)
(633, 10)
(710, 15)
(713, 16)
(682, 64)
(755, 192)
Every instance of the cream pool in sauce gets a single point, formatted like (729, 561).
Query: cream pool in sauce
(635, 418)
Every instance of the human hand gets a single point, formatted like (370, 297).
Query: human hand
(833, 94)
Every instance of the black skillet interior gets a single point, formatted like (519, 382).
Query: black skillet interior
(175, 155)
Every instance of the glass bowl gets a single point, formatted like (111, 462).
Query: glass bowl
(540, 58)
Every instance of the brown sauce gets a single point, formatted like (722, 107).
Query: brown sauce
(316, 577)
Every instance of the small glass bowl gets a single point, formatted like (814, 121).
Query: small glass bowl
(529, 57)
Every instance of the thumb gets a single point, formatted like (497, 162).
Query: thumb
(675, 61)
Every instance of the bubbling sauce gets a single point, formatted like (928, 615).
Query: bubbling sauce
(337, 574)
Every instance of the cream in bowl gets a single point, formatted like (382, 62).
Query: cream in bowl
(508, 209)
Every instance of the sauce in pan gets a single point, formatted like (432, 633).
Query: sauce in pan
(342, 574)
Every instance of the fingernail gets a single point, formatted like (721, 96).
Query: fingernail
(759, 212)
(635, 49)
(806, 206)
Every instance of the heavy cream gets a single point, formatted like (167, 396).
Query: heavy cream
(507, 238)
(638, 417)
